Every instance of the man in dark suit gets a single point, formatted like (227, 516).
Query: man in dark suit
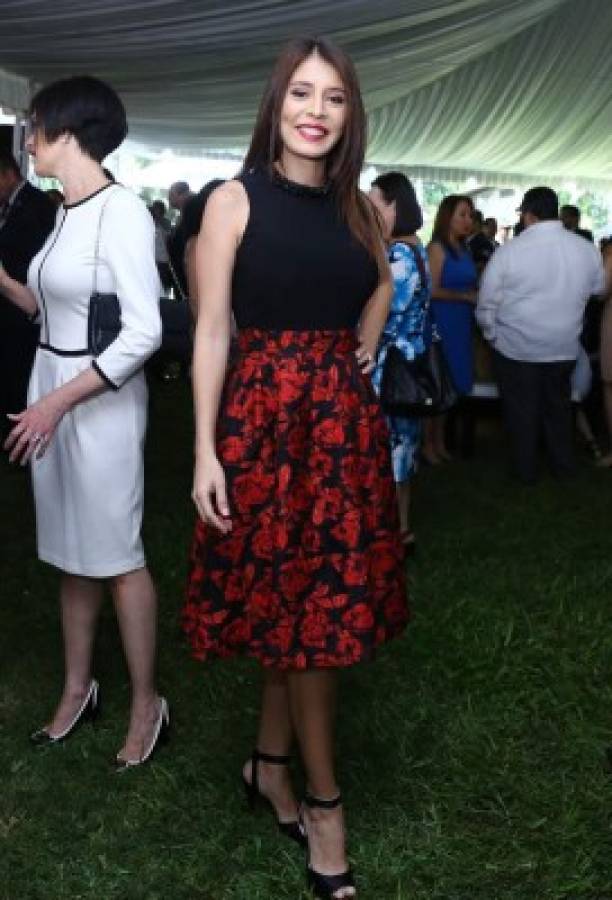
(27, 216)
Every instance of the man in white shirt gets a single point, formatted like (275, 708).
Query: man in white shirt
(530, 308)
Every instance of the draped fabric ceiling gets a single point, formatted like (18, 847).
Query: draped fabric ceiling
(522, 87)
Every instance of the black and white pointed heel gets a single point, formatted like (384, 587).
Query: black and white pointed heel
(327, 887)
(160, 736)
(292, 829)
(88, 711)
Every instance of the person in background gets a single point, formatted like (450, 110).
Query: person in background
(481, 246)
(84, 426)
(531, 309)
(395, 200)
(162, 230)
(454, 280)
(296, 559)
(581, 383)
(605, 352)
(179, 195)
(192, 222)
(26, 218)
(570, 217)
(490, 230)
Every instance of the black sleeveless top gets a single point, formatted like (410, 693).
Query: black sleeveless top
(298, 266)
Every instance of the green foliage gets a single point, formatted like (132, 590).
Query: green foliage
(594, 208)
(470, 754)
(565, 198)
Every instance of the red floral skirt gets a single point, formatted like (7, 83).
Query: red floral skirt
(312, 573)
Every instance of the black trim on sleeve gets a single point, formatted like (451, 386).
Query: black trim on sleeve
(111, 384)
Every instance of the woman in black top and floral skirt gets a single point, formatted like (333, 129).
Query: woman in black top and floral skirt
(296, 557)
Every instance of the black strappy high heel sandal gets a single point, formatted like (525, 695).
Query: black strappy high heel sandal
(294, 829)
(325, 887)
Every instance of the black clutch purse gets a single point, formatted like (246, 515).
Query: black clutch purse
(104, 317)
(417, 387)
(103, 322)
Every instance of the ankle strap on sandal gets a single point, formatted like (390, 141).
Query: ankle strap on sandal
(258, 756)
(319, 803)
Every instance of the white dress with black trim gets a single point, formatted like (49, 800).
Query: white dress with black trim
(88, 487)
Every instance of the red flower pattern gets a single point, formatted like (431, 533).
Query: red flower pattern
(312, 573)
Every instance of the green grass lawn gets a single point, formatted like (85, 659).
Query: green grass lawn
(471, 754)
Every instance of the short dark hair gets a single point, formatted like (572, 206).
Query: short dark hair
(397, 188)
(85, 107)
(180, 188)
(191, 218)
(8, 163)
(477, 216)
(570, 210)
(541, 202)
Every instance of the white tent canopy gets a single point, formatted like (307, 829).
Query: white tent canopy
(522, 87)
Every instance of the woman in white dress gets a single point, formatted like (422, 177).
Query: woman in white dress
(83, 430)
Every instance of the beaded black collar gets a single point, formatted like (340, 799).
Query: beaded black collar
(302, 190)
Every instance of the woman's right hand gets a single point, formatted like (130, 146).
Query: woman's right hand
(210, 495)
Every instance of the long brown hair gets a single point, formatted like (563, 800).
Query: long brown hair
(446, 211)
(345, 161)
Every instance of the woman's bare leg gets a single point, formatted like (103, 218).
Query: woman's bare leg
(402, 489)
(428, 450)
(313, 707)
(80, 600)
(607, 398)
(275, 737)
(136, 607)
(439, 437)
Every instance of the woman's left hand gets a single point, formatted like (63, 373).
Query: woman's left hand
(365, 359)
(35, 427)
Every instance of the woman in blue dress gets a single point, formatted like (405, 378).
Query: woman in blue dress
(454, 281)
(394, 197)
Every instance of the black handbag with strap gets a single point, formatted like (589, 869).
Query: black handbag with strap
(104, 318)
(422, 386)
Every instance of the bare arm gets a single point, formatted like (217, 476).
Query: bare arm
(224, 222)
(17, 293)
(373, 319)
(435, 253)
(190, 272)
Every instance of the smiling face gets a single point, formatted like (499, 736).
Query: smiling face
(461, 221)
(314, 111)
